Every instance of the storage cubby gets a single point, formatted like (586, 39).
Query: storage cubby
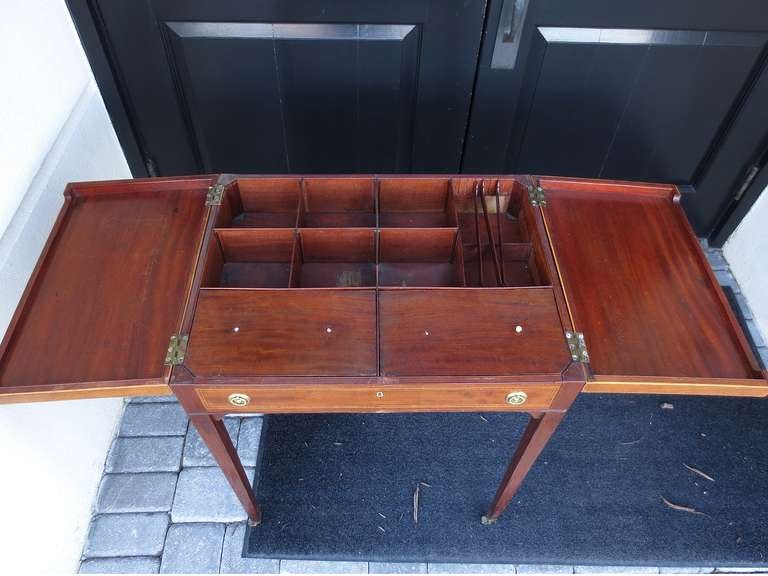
(335, 257)
(519, 266)
(261, 203)
(498, 247)
(420, 257)
(398, 232)
(418, 203)
(337, 203)
(239, 258)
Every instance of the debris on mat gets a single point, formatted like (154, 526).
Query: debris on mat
(699, 472)
(681, 508)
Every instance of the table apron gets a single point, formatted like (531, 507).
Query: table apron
(325, 398)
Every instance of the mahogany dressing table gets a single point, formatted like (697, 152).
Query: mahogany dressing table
(289, 294)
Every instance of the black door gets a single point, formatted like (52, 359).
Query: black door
(658, 90)
(288, 86)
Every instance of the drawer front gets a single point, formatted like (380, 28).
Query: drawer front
(384, 398)
(302, 332)
(470, 332)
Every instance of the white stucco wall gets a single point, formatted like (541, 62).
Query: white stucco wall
(747, 254)
(53, 129)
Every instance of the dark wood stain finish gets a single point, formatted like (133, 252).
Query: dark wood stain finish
(470, 332)
(109, 289)
(638, 285)
(373, 294)
(284, 332)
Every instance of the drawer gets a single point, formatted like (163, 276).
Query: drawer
(288, 332)
(470, 332)
(319, 398)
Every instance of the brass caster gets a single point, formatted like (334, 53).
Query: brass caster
(485, 521)
(253, 523)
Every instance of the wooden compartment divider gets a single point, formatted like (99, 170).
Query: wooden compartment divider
(371, 232)
(420, 257)
(264, 203)
(336, 257)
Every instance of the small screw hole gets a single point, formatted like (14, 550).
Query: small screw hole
(519, 329)
(328, 330)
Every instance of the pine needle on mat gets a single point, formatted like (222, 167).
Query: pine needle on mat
(681, 508)
(416, 504)
(699, 472)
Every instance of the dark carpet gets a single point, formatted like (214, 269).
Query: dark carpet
(340, 487)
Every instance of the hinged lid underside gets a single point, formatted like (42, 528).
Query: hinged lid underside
(111, 288)
(638, 286)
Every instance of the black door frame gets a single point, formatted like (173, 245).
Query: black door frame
(89, 26)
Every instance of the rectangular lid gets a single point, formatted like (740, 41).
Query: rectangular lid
(108, 291)
(639, 288)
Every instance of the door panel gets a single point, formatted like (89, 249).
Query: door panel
(629, 104)
(634, 90)
(232, 100)
(296, 87)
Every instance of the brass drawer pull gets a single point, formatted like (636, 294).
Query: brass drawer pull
(517, 398)
(238, 399)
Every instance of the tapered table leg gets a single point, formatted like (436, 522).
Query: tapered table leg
(215, 435)
(538, 432)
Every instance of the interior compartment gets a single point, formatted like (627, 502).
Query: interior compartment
(337, 203)
(261, 203)
(420, 257)
(239, 258)
(503, 204)
(417, 203)
(498, 247)
(335, 257)
(519, 265)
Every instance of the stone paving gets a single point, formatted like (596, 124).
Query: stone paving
(164, 506)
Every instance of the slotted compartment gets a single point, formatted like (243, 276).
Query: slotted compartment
(422, 257)
(335, 257)
(498, 248)
(416, 203)
(249, 258)
(337, 203)
(261, 203)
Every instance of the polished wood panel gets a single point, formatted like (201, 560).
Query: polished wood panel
(620, 384)
(291, 332)
(250, 258)
(82, 391)
(335, 257)
(638, 285)
(261, 245)
(418, 257)
(416, 202)
(417, 244)
(338, 245)
(380, 397)
(262, 203)
(110, 288)
(465, 331)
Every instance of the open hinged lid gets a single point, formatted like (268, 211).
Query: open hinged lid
(638, 287)
(109, 290)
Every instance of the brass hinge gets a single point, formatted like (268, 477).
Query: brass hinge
(577, 346)
(213, 197)
(536, 195)
(177, 349)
